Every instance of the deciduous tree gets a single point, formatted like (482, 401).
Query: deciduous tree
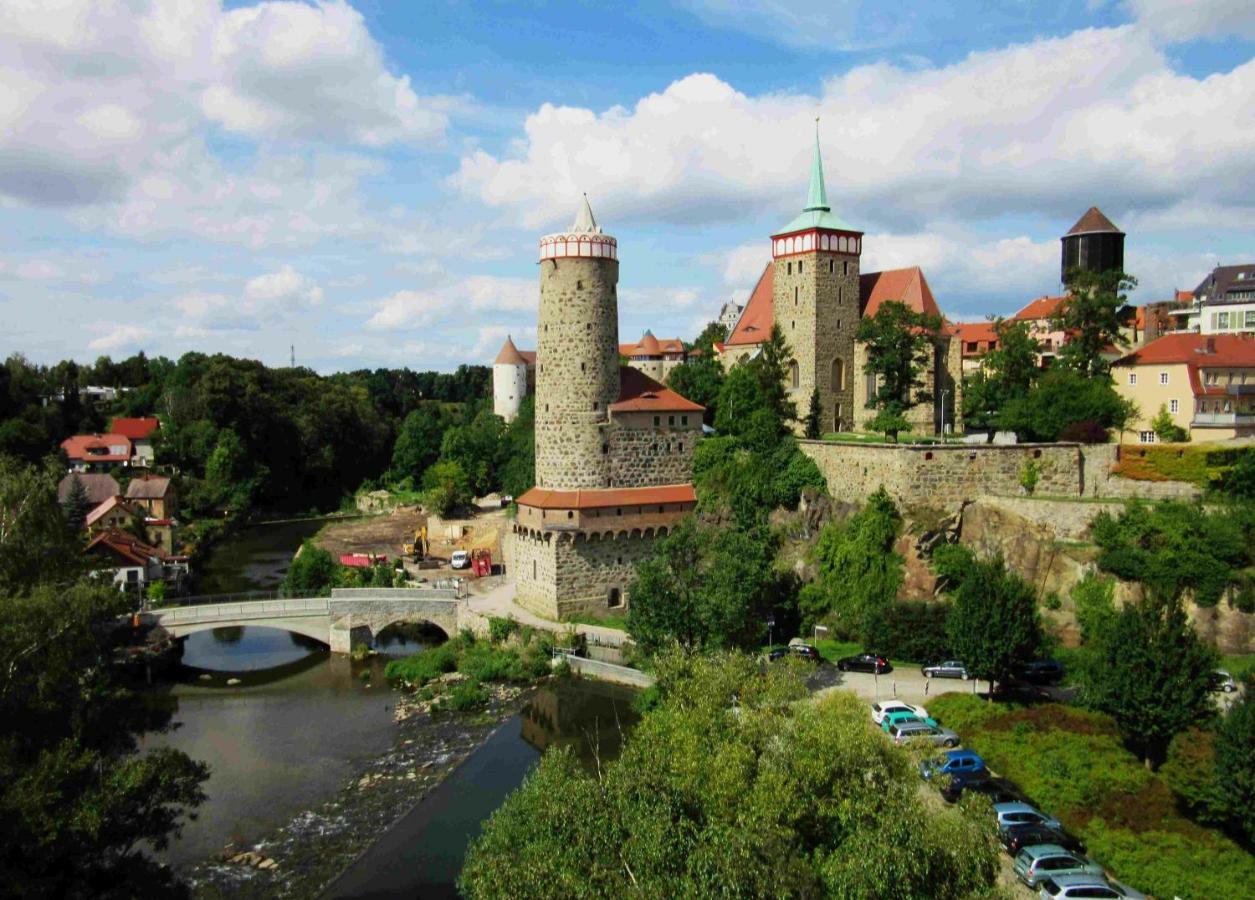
(1092, 316)
(899, 344)
(993, 625)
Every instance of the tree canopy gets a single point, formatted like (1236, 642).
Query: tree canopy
(1007, 373)
(899, 342)
(994, 625)
(1061, 401)
(731, 787)
(1092, 316)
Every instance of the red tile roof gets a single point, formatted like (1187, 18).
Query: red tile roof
(976, 333)
(136, 429)
(908, 286)
(1041, 308)
(754, 326)
(1093, 221)
(541, 498)
(79, 445)
(509, 355)
(649, 345)
(1185, 296)
(126, 547)
(1207, 350)
(640, 393)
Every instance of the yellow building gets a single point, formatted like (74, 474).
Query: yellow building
(1205, 382)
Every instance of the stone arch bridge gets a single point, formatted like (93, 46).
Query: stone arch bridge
(350, 617)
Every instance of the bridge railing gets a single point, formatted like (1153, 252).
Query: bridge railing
(254, 609)
(237, 597)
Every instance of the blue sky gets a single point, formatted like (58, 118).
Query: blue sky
(367, 181)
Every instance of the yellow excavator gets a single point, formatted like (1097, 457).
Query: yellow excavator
(417, 548)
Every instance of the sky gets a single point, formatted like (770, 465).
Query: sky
(366, 182)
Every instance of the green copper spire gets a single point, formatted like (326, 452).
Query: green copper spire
(817, 197)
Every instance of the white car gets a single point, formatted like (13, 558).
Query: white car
(884, 707)
(460, 559)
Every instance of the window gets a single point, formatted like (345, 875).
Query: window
(605, 449)
(671, 420)
(1250, 318)
(838, 375)
(1132, 378)
(832, 265)
(579, 285)
(794, 374)
(1222, 321)
(795, 295)
(1146, 437)
(595, 405)
(680, 447)
(533, 570)
(583, 366)
(570, 514)
(657, 421)
(799, 268)
(684, 420)
(1174, 406)
(846, 266)
(1163, 377)
(789, 268)
(615, 599)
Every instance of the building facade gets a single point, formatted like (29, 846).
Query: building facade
(814, 291)
(614, 447)
(513, 379)
(1223, 303)
(1206, 383)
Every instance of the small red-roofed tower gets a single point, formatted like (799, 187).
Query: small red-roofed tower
(816, 303)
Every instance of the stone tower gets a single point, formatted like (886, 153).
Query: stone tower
(509, 381)
(815, 301)
(577, 355)
(614, 447)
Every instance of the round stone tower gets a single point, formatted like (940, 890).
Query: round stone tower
(577, 355)
(509, 381)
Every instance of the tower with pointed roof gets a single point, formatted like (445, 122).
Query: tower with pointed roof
(815, 302)
(1093, 244)
(614, 447)
(511, 374)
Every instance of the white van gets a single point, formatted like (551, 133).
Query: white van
(460, 559)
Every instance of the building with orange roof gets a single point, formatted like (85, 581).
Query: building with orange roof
(975, 340)
(813, 291)
(141, 431)
(97, 452)
(614, 445)
(1206, 383)
(656, 357)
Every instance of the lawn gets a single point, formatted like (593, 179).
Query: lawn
(833, 650)
(855, 437)
(1074, 766)
(618, 623)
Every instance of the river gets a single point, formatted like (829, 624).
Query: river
(253, 558)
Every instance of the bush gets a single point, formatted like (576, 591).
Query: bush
(1190, 771)
(467, 695)
(417, 670)
(500, 628)
(1029, 476)
(1087, 431)
(913, 631)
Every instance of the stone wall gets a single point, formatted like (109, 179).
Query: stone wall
(815, 301)
(944, 475)
(577, 371)
(642, 455)
(557, 576)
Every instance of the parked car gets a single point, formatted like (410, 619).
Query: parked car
(1017, 813)
(864, 662)
(802, 651)
(998, 790)
(950, 668)
(1042, 671)
(887, 706)
(1016, 837)
(901, 716)
(460, 559)
(911, 731)
(1067, 887)
(954, 762)
(1222, 681)
(1033, 864)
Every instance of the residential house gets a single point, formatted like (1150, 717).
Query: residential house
(99, 486)
(1039, 315)
(656, 358)
(114, 512)
(155, 493)
(97, 452)
(1223, 303)
(132, 563)
(141, 432)
(162, 533)
(1205, 382)
(975, 339)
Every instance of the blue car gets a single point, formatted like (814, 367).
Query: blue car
(953, 762)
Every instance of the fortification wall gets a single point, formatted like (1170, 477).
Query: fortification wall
(647, 456)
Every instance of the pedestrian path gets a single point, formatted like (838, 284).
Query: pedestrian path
(499, 601)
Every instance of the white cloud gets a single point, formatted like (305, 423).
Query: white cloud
(198, 305)
(451, 300)
(405, 309)
(491, 337)
(121, 337)
(1041, 128)
(1177, 21)
(284, 287)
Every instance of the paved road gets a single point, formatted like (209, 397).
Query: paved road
(900, 684)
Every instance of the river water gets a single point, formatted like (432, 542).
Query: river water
(254, 558)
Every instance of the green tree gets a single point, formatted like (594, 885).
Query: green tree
(899, 348)
(1007, 373)
(77, 505)
(418, 442)
(699, 380)
(445, 487)
(1092, 316)
(814, 417)
(1235, 763)
(475, 447)
(518, 451)
(79, 801)
(1166, 428)
(1062, 399)
(704, 587)
(312, 573)
(993, 624)
(713, 333)
(859, 572)
(1151, 673)
(731, 787)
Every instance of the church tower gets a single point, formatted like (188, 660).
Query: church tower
(815, 297)
(577, 355)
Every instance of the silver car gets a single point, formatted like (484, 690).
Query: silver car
(1075, 887)
(1020, 813)
(950, 668)
(909, 731)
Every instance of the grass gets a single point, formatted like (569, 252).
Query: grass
(618, 623)
(1073, 765)
(855, 437)
(479, 660)
(1239, 665)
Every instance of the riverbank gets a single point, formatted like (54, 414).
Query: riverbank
(302, 857)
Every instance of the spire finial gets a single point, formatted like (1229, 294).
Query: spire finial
(817, 197)
(584, 221)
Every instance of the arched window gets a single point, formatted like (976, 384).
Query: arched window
(794, 373)
(838, 374)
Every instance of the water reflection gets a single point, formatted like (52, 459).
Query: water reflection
(253, 559)
(405, 639)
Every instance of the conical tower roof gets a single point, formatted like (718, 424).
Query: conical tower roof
(817, 213)
(584, 221)
(649, 344)
(509, 355)
(1093, 222)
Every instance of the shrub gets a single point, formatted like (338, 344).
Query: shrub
(500, 628)
(1029, 476)
(417, 670)
(1087, 431)
(1190, 771)
(910, 630)
(467, 695)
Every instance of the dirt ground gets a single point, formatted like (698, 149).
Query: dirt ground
(382, 534)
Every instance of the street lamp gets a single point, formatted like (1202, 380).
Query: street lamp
(771, 624)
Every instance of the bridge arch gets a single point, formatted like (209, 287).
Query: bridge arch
(310, 627)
